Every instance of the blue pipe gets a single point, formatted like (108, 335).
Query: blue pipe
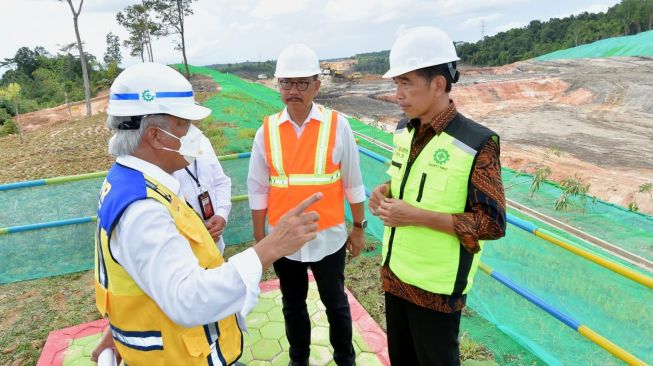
(373, 155)
(522, 224)
(45, 225)
(568, 320)
(24, 184)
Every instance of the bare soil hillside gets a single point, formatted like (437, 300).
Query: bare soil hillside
(597, 112)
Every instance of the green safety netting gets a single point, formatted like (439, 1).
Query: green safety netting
(635, 45)
(604, 301)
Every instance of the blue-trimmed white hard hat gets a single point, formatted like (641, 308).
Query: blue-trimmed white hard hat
(151, 88)
(420, 47)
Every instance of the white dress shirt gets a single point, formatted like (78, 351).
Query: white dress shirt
(345, 152)
(208, 171)
(159, 259)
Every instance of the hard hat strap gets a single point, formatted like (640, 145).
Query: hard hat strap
(133, 123)
(452, 70)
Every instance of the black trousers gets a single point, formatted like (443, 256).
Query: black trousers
(329, 275)
(420, 336)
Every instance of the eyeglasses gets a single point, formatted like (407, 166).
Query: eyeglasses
(302, 85)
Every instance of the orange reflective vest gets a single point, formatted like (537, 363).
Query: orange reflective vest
(301, 166)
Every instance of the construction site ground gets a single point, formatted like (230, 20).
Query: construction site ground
(598, 113)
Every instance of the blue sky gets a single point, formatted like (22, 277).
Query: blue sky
(224, 31)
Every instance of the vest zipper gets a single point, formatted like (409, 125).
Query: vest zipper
(421, 187)
(409, 164)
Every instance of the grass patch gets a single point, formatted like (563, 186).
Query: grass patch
(67, 148)
(246, 133)
(30, 310)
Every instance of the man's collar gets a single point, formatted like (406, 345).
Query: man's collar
(315, 114)
(151, 170)
(439, 122)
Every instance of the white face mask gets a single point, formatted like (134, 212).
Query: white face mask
(190, 147)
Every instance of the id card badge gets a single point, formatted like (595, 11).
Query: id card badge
(206, 205)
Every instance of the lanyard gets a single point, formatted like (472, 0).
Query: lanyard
(196, 172)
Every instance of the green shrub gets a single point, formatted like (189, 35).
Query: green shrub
(9, 128)
(246, 133)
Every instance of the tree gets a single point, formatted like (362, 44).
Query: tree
(112, 55)
(171, 14)
(136, 19)
(12, 93)
(82, 58)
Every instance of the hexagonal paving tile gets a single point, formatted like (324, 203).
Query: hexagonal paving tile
(311, 307)
(273, 330)
(259, 363)
(256, 320)
(285, 346)
(320, 355)
(246, 357)
(276, 314)
(368, 359)
(360, 342)
(252, 336)
(281, 360)
(320, 336)
(320, 319)
(264, 305)
(265, 349)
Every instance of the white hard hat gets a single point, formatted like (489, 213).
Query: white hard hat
(297, 60)
(151, 88)
(420, 47)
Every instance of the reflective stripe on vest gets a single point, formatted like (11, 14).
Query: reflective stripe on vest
(437, 181)
(321, 152)
(142, 341)
(143, 333)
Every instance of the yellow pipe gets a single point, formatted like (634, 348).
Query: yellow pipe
(610, 347)
(618, 268)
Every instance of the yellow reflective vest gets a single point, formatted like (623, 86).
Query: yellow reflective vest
(437, 180)
(143, 334)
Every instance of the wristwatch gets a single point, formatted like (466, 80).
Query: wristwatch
(361, 225)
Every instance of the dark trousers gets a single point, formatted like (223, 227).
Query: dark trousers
(329, 275)
(420, 336)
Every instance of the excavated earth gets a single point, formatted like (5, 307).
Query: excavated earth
(597, 112)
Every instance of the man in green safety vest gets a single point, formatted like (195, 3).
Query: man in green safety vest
(444, 197)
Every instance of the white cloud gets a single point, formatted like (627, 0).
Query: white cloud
(376, 11)
(268, 9)
(505, 27)
(594, 8)
(103, 6)
(457, 7)
(476, 22)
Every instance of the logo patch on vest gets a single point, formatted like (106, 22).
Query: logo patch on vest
(441, 156)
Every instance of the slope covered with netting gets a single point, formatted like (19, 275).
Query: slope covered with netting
(640, 44)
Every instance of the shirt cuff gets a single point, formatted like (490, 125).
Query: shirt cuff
(468, 240)
(223, 213)
(258, 201)
(356, 194)
(250, 270)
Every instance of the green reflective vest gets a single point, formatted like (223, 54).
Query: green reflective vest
(437, 180)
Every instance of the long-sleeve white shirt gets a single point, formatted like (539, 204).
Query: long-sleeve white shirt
(208, 171)
(159, 259)
(345, 153)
